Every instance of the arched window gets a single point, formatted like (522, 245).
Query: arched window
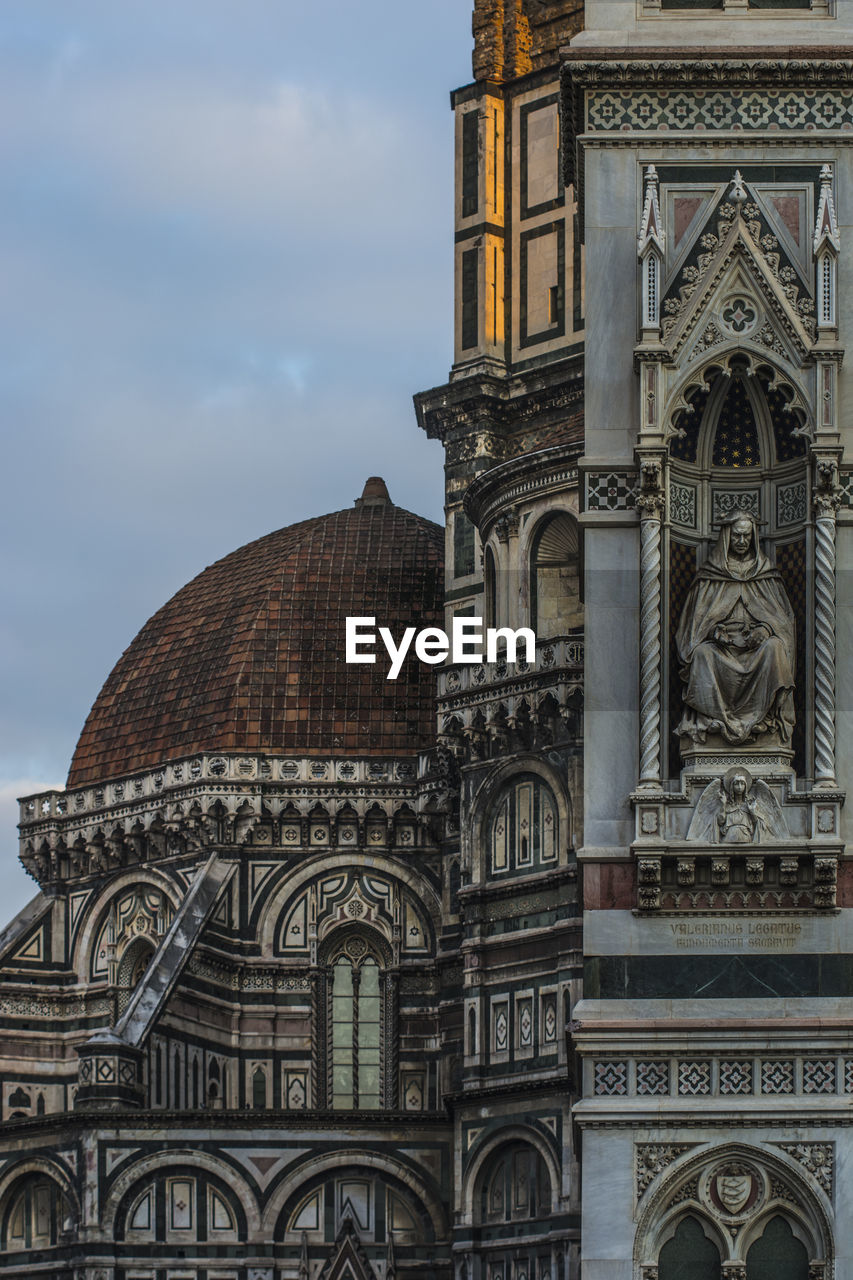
(259, 1089)
(357, 1001)
(490, 588)
(180, 1207)
(133, 963)
(554, 589)
(515, 1186)
(32, 1216)
(214, 1085)
(512, 1202)
(777, 1255)
(524, 833)
(689, 1255)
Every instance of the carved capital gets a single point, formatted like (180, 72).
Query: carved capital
(506, 526)
(827, 495)
(650, 500)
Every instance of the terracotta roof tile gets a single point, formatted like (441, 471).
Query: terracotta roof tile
(250, 654)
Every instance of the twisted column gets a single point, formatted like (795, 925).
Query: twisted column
(650, 504)
(824, 704)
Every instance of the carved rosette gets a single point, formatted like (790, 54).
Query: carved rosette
(650, 503)
(826, 502)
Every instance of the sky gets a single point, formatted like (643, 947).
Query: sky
(226, 240)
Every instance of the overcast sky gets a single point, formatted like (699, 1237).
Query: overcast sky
(225, 267)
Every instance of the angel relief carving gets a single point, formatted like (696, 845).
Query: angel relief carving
(737, 809)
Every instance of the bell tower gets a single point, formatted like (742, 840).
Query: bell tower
(709, 147)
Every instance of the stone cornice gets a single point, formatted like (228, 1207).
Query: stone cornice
(795, 67)
(526, 476)
(497, 403)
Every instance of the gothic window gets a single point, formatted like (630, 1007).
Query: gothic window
(356, 1032)
(525, 828)
(554, 590)
(777, 1255)
(689, 1255)
(30, 1221)
(176, 1079)
(259, 1089)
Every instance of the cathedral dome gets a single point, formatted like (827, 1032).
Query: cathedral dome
(250, 655)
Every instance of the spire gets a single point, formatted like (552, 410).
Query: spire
(651, 229)
(826, 225)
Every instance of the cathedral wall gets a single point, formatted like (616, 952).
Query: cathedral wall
(714, 1030)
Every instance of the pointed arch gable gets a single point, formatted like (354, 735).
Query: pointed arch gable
(288, 890)
(99, 906)
(665, 1203)
(698, 378)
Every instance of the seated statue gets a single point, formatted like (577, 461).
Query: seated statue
(736, 643)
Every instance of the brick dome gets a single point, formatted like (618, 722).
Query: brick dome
(249, 656)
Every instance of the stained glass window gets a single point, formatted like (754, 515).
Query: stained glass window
(356, 1034)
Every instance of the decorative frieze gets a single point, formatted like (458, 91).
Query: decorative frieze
(682, 504)
(489, 708)
(715, 1076)
(750, 880)
(188, 806)
(689, 111)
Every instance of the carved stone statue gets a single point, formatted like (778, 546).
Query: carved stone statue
(736, 642)
(737, 809)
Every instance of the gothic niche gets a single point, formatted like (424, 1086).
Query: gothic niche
(738, 506)
(736, 642)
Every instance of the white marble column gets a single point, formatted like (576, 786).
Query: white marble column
(650, 503)
(826, 505)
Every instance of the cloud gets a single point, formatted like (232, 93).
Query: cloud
(226, 253)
